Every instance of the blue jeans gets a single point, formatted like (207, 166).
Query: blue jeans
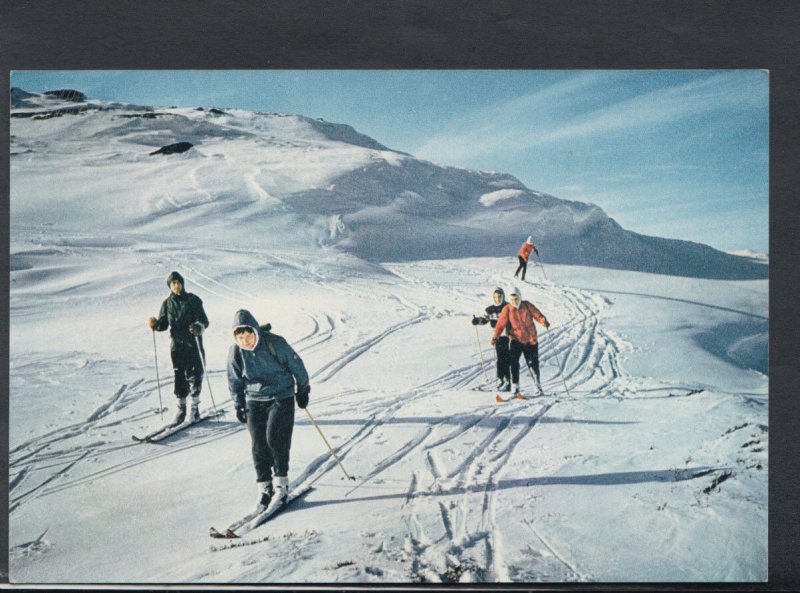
(270, 425)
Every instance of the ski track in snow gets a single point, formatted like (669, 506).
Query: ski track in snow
(449, 509)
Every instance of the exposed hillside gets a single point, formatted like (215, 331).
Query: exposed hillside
(278, 173)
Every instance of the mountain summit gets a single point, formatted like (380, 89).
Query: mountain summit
(240, 176)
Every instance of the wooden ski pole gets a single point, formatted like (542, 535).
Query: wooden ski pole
(310, 417)
(480, 352)
(201, 354)
(158, 378)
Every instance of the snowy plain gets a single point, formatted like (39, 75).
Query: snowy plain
(645, 461)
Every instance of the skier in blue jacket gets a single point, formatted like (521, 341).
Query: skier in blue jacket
(265, 377)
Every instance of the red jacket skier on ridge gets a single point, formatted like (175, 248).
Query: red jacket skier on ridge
(523, 255)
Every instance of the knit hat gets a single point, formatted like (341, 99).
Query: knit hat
(175, 276)
(530, 241)
(515, 291)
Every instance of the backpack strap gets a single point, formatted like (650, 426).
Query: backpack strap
(272, 350)
(270, 347)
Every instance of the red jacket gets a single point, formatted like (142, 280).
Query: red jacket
(522, 328)
(525, 251)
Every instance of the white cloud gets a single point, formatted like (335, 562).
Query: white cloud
(550, 115)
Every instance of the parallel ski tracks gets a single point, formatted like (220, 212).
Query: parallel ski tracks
(445, 525)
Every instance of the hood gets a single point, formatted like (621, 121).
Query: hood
(502, 294)
(243, 318)
(178, 277)
(517, 292)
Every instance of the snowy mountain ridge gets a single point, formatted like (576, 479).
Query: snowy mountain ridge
(277, 171)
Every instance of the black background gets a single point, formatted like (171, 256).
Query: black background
(447, 34)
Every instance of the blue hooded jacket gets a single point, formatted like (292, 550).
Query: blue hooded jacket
(258, 374)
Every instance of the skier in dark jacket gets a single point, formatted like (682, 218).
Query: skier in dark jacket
(501, 345)
(265, 376)
(182, 312)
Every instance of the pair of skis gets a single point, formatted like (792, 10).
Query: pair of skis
(500, 399)
(169, 429)
(257, 518)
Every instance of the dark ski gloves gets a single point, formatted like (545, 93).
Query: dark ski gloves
(302, 396)
(479, 320)
(241, 415)
(197, 328)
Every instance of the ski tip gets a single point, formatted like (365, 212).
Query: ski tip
(520, 396)
(499, 399)
(213, 532)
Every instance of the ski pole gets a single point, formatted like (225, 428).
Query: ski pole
(158, 378)
(310, 417)
(208, 379)
(558, 360)
(538, 260)
(480, 352)
(533, 377)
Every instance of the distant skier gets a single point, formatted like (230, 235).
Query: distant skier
(182, 312)
(501, 345)
(520, 315)
(523, 255)
(263, 373)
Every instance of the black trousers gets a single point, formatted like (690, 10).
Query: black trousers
(187, 369)
(503, 358)
(523, 265)
(270, 425)
(531, 353)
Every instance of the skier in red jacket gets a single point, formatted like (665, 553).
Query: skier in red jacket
(523, 255)
(519, 315)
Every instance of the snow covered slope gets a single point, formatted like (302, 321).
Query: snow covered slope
(645, 440)
(271, 173)
(646, 460)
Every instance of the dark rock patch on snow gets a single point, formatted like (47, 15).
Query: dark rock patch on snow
(67, 95)
(176, 148)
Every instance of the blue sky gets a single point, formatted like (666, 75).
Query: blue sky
(681, 154)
